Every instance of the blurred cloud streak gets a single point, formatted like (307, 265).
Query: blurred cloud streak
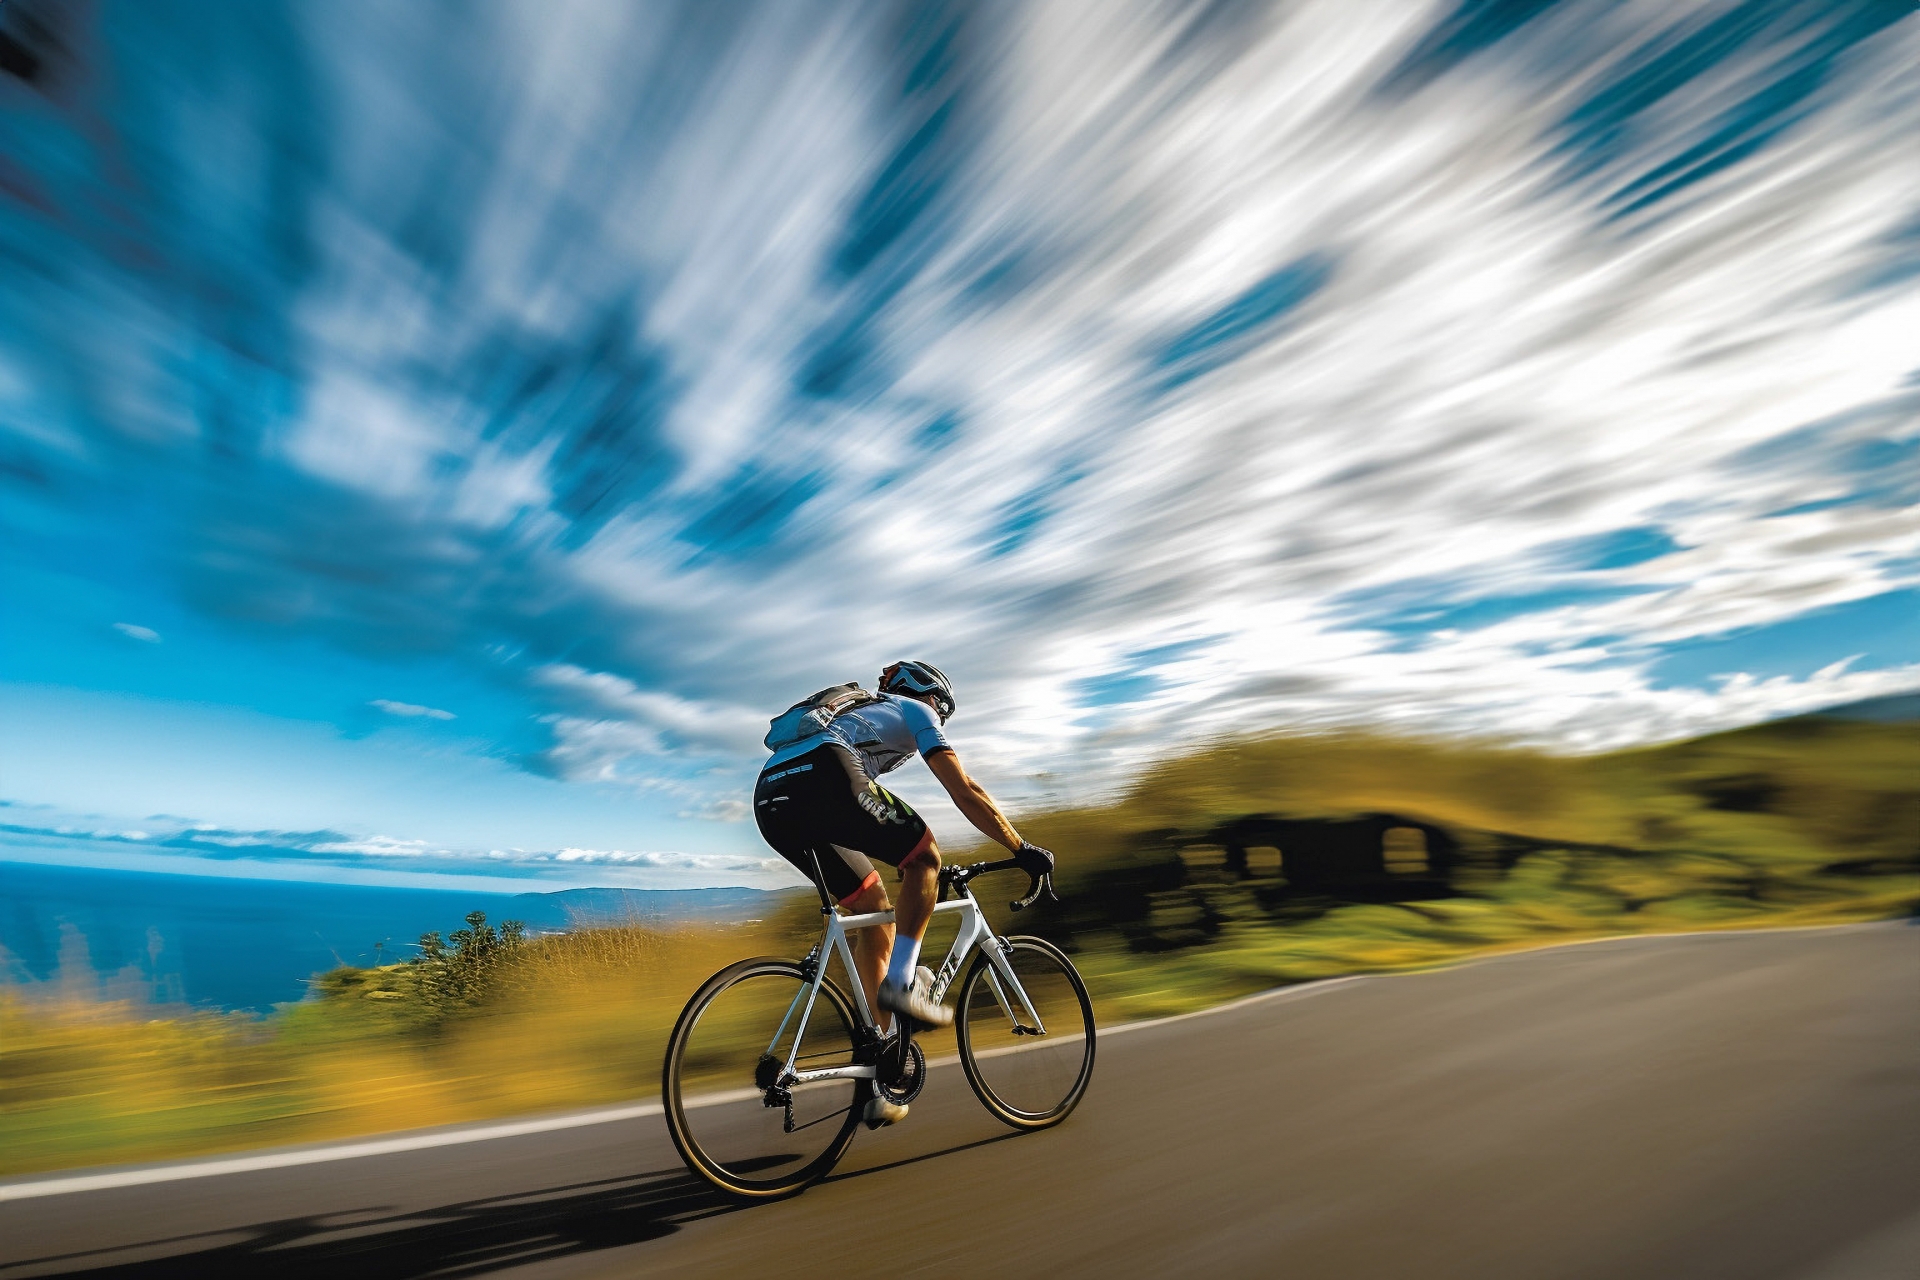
(1160, 370)
(40, 835)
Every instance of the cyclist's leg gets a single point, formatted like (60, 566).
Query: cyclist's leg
(872, 947)
(919, 887)
(887, 829)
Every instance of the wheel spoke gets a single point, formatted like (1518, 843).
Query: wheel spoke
(823, 1119)
(743, 1144)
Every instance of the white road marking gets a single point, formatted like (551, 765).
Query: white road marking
(581, 1119)
(316, 1155)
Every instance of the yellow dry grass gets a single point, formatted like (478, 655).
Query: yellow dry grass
(577, 1020)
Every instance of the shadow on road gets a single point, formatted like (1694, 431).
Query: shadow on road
(924, 1155)
(469, 1238)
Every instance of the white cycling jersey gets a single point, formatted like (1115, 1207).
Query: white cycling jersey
(883, 733)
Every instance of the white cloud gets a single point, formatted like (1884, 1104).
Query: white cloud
(232, 839)
(620, 721)
(410, 710)
(589, 750)
(133, 631)
(380, 847)
(364, 435)
(654, 859)
(726, 809)
(175, 846)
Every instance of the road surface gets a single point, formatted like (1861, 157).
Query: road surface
(1736, 1105)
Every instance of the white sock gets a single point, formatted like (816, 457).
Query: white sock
(906, 954)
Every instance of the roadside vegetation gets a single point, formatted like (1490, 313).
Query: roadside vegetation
(1379, 855)
(1800, 822)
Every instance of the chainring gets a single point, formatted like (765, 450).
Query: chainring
(913, 1076)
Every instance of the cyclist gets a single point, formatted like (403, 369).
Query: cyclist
(819, 794)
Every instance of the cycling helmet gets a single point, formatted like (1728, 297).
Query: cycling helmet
(920, 678)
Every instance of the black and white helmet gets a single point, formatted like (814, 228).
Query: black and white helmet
(920, 678)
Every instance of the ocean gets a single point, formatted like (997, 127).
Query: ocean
(225, 943)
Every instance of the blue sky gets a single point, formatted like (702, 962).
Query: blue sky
(435, 439)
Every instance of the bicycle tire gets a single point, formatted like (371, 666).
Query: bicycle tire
(740, 1106)
(1041, 1081)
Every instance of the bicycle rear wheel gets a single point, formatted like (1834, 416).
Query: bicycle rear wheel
(730, 1042)
(1029, 1076)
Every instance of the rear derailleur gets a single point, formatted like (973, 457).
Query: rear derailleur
(774, 1090)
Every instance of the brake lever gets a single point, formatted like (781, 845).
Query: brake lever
(1042, 883)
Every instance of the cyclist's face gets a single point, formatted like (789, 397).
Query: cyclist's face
(928, 699)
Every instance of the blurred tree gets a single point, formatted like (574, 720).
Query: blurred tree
(450, 978)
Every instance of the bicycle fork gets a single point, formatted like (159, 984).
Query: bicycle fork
(1000, 968)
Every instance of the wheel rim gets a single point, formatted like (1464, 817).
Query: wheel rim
(1028, 1078)
(729, 1132)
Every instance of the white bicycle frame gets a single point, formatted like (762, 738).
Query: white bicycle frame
(973, 932)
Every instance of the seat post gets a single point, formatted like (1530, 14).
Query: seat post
(820, 882)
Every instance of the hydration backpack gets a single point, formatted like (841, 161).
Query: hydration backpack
(806, 718)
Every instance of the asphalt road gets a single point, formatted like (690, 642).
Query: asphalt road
(1743, 1106)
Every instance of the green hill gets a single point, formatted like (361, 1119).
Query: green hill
(1287, 858)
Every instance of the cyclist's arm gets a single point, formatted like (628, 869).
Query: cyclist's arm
(972, 800)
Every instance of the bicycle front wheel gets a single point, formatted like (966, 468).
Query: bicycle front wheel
(731, 1043)
(1028, 1061)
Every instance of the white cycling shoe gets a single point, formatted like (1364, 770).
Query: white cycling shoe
(916, 1001)
(882, 1111)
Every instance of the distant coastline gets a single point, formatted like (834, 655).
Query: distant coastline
(227, 943)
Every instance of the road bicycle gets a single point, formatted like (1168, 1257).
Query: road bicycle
(772, 1063)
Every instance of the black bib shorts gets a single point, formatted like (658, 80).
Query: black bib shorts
(824, 801)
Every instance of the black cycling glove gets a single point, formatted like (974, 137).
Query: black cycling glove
(1033, 859)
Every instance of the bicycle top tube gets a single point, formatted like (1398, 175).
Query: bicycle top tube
(951, 879)
(872, 918)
